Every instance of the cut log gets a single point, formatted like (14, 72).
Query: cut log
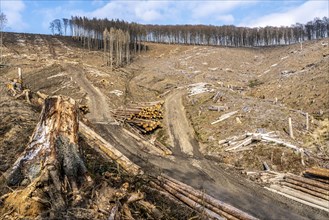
(318, 172)
(217, 108)
(202, 202)
(107, 150)
(320, 203)
(216, 203)
(243, 143)
(277, 141)
(41, 95)
(306, 190)
(278, 191)
(200, 208)
(316, 178)
(50, 167)
(223, 117)
(307, 186)
(233, 138)
(309, 181)
(291, 133)
(217, 97)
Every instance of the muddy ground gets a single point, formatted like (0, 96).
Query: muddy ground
(265, 85)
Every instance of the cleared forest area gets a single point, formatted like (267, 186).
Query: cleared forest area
(141, 123)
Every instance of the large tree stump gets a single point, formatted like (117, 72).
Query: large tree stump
(50, 168)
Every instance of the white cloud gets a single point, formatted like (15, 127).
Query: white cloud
(141, 11)
(13, 10)
(170, 11)
(206, 9)
(302, 14)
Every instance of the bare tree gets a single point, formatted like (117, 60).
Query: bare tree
(3, 22)
(127, 47)
(58, 26)
(65, 23)
(111, 45)
(52, 27)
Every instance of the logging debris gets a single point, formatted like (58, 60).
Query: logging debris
(196, 199)
(224, 117)
(116, 92)
(217, 108)
(305, 189)
(238, 143)
(199, 88)
(145, 116)
(217, 97)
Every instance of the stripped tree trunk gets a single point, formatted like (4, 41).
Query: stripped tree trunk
(112, 36)
(105, 39)
(50, 167)
(128, 47)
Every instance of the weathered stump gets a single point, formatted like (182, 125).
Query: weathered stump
(50, 171)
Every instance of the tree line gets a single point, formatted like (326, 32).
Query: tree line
(119, 38)
(89, 31)
(230, 35)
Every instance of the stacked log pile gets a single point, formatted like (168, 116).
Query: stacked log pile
(145, 116)
(200, 201)
(312, 189)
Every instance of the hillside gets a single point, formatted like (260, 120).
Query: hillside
(262, 86)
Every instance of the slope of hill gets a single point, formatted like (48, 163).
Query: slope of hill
(265, 86)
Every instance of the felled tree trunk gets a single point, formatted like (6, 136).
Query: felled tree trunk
(50, 167)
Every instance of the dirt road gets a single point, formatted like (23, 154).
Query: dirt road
(99, 109)
(181, 133)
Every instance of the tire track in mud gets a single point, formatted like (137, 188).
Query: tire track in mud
(181, 133)
(99, 110)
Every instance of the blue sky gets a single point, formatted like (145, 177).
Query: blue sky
(34, 16)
